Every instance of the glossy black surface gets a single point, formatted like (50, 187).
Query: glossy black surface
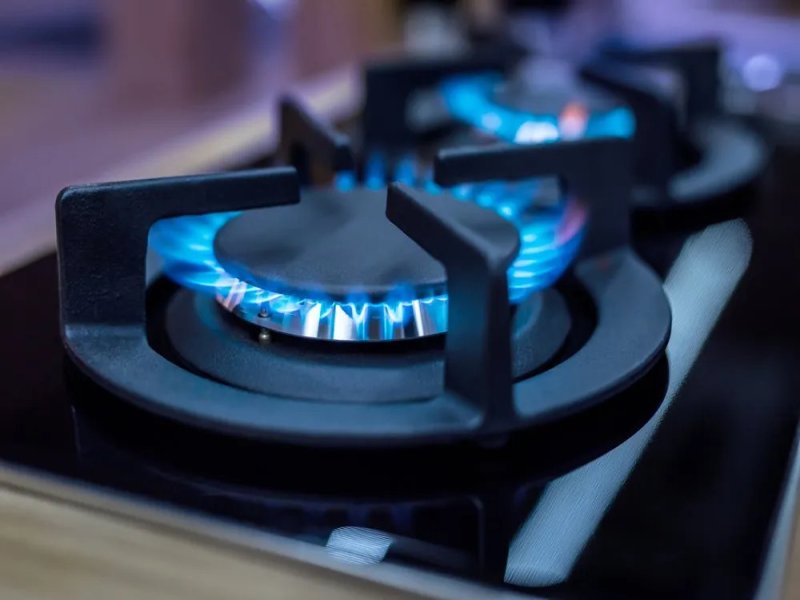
(668, 491)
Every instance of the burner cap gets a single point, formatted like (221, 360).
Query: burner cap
(376, 306)
(339, 248)
(332, 245)
(518, 95)
(515, 111)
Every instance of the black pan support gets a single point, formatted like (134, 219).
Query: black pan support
(672, 118)
(697, 63)
(656, 138)
(595, 170)
(102, 242)
(390, 85)
(307, 142)
(633, 313)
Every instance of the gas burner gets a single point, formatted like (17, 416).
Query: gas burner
(514, 110)
(688, 152)
(332, 267)
(497, 96)
(500, 366)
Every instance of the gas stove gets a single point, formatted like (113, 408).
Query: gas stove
(431, 344)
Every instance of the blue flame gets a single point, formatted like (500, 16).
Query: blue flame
(375, 171)
(469, 99)
(550, 235)
(549, 240)
(186, 245)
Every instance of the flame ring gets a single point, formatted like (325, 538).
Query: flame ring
(469, 99)
(549, 240)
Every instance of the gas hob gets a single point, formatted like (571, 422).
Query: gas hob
(455, 352)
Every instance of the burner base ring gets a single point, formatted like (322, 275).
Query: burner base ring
(632, 331)
(732, 157)
(221, 346)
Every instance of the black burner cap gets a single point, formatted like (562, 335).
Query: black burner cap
(520, 96)
(339, 244)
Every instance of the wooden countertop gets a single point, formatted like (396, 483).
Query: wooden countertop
(53, 544)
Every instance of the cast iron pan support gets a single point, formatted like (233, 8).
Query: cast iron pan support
(102, 243)
(595, 170)
(656, 135)
(478, 345)
(633, 313)
(724, 156)
(102, 239)
(697, 63)
(306, 142)
(390, 85)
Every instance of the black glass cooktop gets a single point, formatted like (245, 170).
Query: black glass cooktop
(670, 490)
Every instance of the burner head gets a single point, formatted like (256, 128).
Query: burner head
(514, 110)
(337, 268)
(334, 268)
(339, 246)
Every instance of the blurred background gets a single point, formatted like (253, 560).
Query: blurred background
(107, 89)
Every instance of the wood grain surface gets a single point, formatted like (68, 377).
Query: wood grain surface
(791, 589)
(55, 549)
